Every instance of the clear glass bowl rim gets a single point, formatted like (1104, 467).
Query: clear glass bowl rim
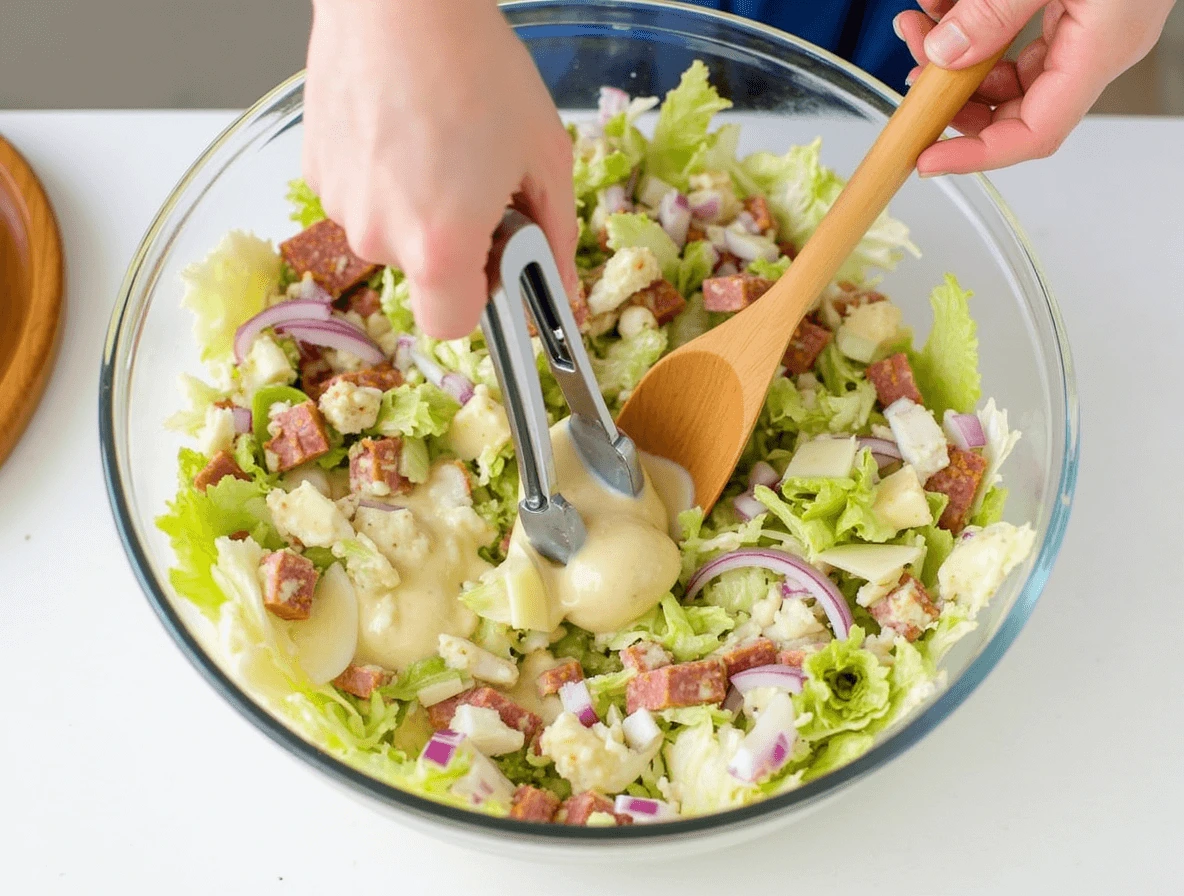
(117, 359)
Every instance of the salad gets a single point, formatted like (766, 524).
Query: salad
(345, 517)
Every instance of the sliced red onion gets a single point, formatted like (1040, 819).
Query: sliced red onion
(821, 588)
(242, 419)
(613, 101)
(674, 214)
(578, 701)
(726, 269)
(791, 590)
(734, 701)
(457, 385)
(640, 729)
(283, 312)
(308, 288)
(615, 200)
(403, 346)
(750, 247)
(336, 334)
(373, 504)
(884, 451)
(442, 747)
(706, 205)
(748, 222)
(653, 190)
(784, 678)
(763, 473)
(642, 809)
(747, 507)
(768, 746)
(964, 430)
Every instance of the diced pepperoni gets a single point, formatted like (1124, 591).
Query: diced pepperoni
(510, 712)
(805, 346)
(364, 301)
(360, 680)
(733, 292)
(959, 482)
(645, 656)
(534, 804)
(602, 239)
(240, 535)
(323, 251)
(761, 652)
(374, 467)
(576, 810)
(758, 207)
(686, 684)
(553, 679)
(315, 371)
(301, 436)
(662, 298)
(727, 258)
(893, 379)
(695, 233)
(381, 377)
(788, 249)
(907, 609)
(793, 658)
(853, 297)
(288, 583)
(221, 465)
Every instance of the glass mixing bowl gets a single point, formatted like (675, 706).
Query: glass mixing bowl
(785, 91)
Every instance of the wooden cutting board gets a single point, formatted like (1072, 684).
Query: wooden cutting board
(30, 294)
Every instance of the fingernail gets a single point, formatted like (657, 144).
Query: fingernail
(946, 43)
(896, 26)
(909, 79)
(928, 174)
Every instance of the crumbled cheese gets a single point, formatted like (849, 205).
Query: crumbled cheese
(634, 319)
(978, 565)
(265, 365)
(350, 408)
(595, 758)
(307, 515)
(920, 439)
(486, 730)
(465, 656)
(900, 500)
(218, 432)
(628, 270)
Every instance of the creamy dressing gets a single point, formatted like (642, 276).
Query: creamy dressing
(628, 561)
(526, 692)
(432, 542)
(674, 485)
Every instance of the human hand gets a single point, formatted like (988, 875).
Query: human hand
(423, 121)
(1025, 109)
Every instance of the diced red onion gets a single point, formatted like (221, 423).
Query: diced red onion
(726, 269)
(292, 310)
(482, 781)
(768, 746)
(763, 473)
(308, 288)
(821, 588)
(642, 809)
(336, 334)
(614, 199)
(734, 701)
(964, 430)
(457, 385)
(613, 101)
(748, 222)
(442, 747)
(885, 451)
(675, 216)
(784, 678)
(750, 247)
(747, 507)
(653, 190)
(403, 346)
(640, 729)
(578, 701)
(242, 419)
(706, 205)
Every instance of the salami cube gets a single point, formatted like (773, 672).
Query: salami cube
(793, 658)
(374, 467)
(906, 610)
(695, 233)
(360, 680)
(733, 292)
(761, 652)
(788, 249)
(893, 379)
(301, 436)
(959, 482)
(645, 656)
(440, 714)
(220, 466)
(853, 297)
(315, 371)
(553, 679)
(288, 583)
(534, 804)
(382, 377)
(663, 300)
(513, 715)
(758, 207)
(323, 251)
(685, 684)
(805, 346)
(576, 810)
(364, 301)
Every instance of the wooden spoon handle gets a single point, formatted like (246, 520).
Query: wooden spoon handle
(926, 111)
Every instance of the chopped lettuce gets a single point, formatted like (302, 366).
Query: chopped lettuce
(602, 169)
(419, 675)
(680, 135)
(626, 229)
(200, 397)
(738, 589)
(608, 689)
(627, 361)
(415, 411)
(946, 369)
(846, 689)
(789, 409)
(695, 266)
(262, 401)
(688, 632)
(991, 510)
(770, 270)
(395, 299)
(306, 205)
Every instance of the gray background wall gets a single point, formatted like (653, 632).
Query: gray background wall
(227, 53)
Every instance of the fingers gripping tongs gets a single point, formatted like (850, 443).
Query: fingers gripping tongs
(522, 274)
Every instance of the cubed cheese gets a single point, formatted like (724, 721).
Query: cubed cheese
(265, 365)
(305, 514)
(350, 408)
(218, 432)
(486, 730)
(920, 439)
(822, 458)
(480, 424)
(465, 656)
(900, 500)
(874, 562)
(628, 270)
(978, 564)
(867, 329)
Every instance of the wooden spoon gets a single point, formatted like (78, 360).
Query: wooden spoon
(698, 405)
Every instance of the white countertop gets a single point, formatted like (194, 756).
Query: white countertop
(122, 771)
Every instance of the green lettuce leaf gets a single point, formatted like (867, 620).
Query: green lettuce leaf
(395, 299)
(946, 369)
(627, 361)
(200, 396)
(419, 675)
(770, 270)
(602, 169)
(627, 229)
(846, 689)
(415, 411)
(608, 689)
(580, 644)
(787, 410)
(737, 590)
(680, 135)
(991, 510)
(306, 205)
(695, 266)
(837, 751)
(688, 632)
(263, 399)
(524, 767)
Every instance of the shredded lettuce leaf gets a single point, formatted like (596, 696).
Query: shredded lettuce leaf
(846, 689)
(946, 369)
(626, 362)
(415, 411)
(200, 397)
(688, 632)
(626, 229)
(695, 266)
(680, 135)
(306, 205)
(395, 299)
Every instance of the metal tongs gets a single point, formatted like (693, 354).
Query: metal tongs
(522, 274)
